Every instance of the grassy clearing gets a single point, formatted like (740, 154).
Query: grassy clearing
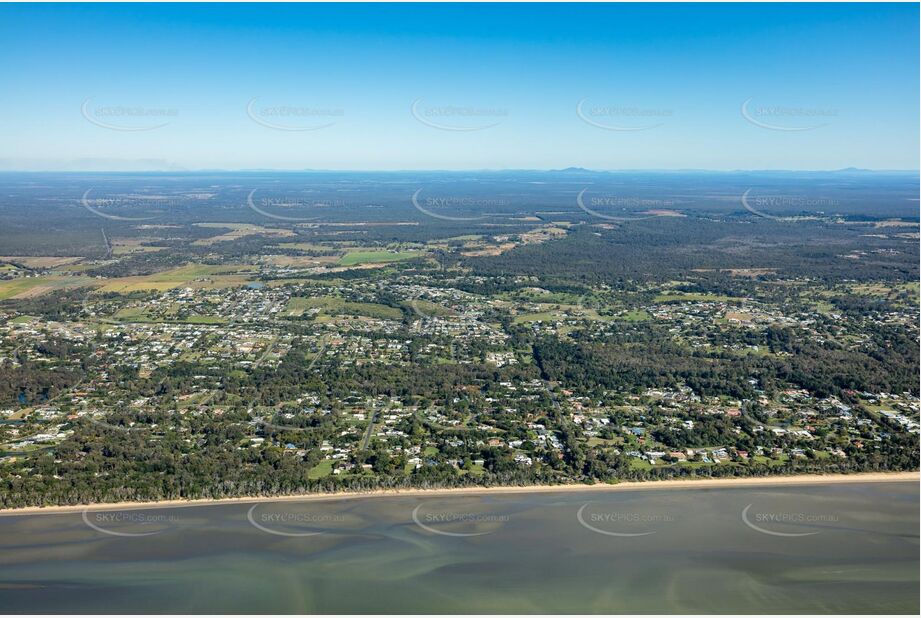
(637, 315)
(884, 290)
(679, 297)
(463, 237)
(332, 305)
(640, 464)
(139, 315)
(544, 297)
(428, 309)
(543, 316)
(9, 289)
(239, 230)
(355, 258)
(128, 246)
(200, 276)
(307, 246)
(29, 287)
(40, 262)
(299, 261)
(322, 469)
(555, 312)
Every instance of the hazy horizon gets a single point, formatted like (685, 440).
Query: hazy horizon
(456, 170)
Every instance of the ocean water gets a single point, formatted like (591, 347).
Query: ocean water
(818, 549)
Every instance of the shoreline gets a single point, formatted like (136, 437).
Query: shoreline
(726, 483)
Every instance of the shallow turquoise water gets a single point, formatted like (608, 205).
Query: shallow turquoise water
(834, 548)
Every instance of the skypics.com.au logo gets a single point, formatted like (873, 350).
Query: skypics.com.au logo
(458, 118)
(785, 118)
(129, 523)
(622, 118)
(293, 118)
(457, 523)
(127, 118)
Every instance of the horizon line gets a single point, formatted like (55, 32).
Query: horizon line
(458, 170)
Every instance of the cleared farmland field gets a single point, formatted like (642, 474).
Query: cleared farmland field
(200, 276)
(355, 258)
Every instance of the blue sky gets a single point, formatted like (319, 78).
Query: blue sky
(767, 86)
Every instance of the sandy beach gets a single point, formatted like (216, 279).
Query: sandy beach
(768, 481)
